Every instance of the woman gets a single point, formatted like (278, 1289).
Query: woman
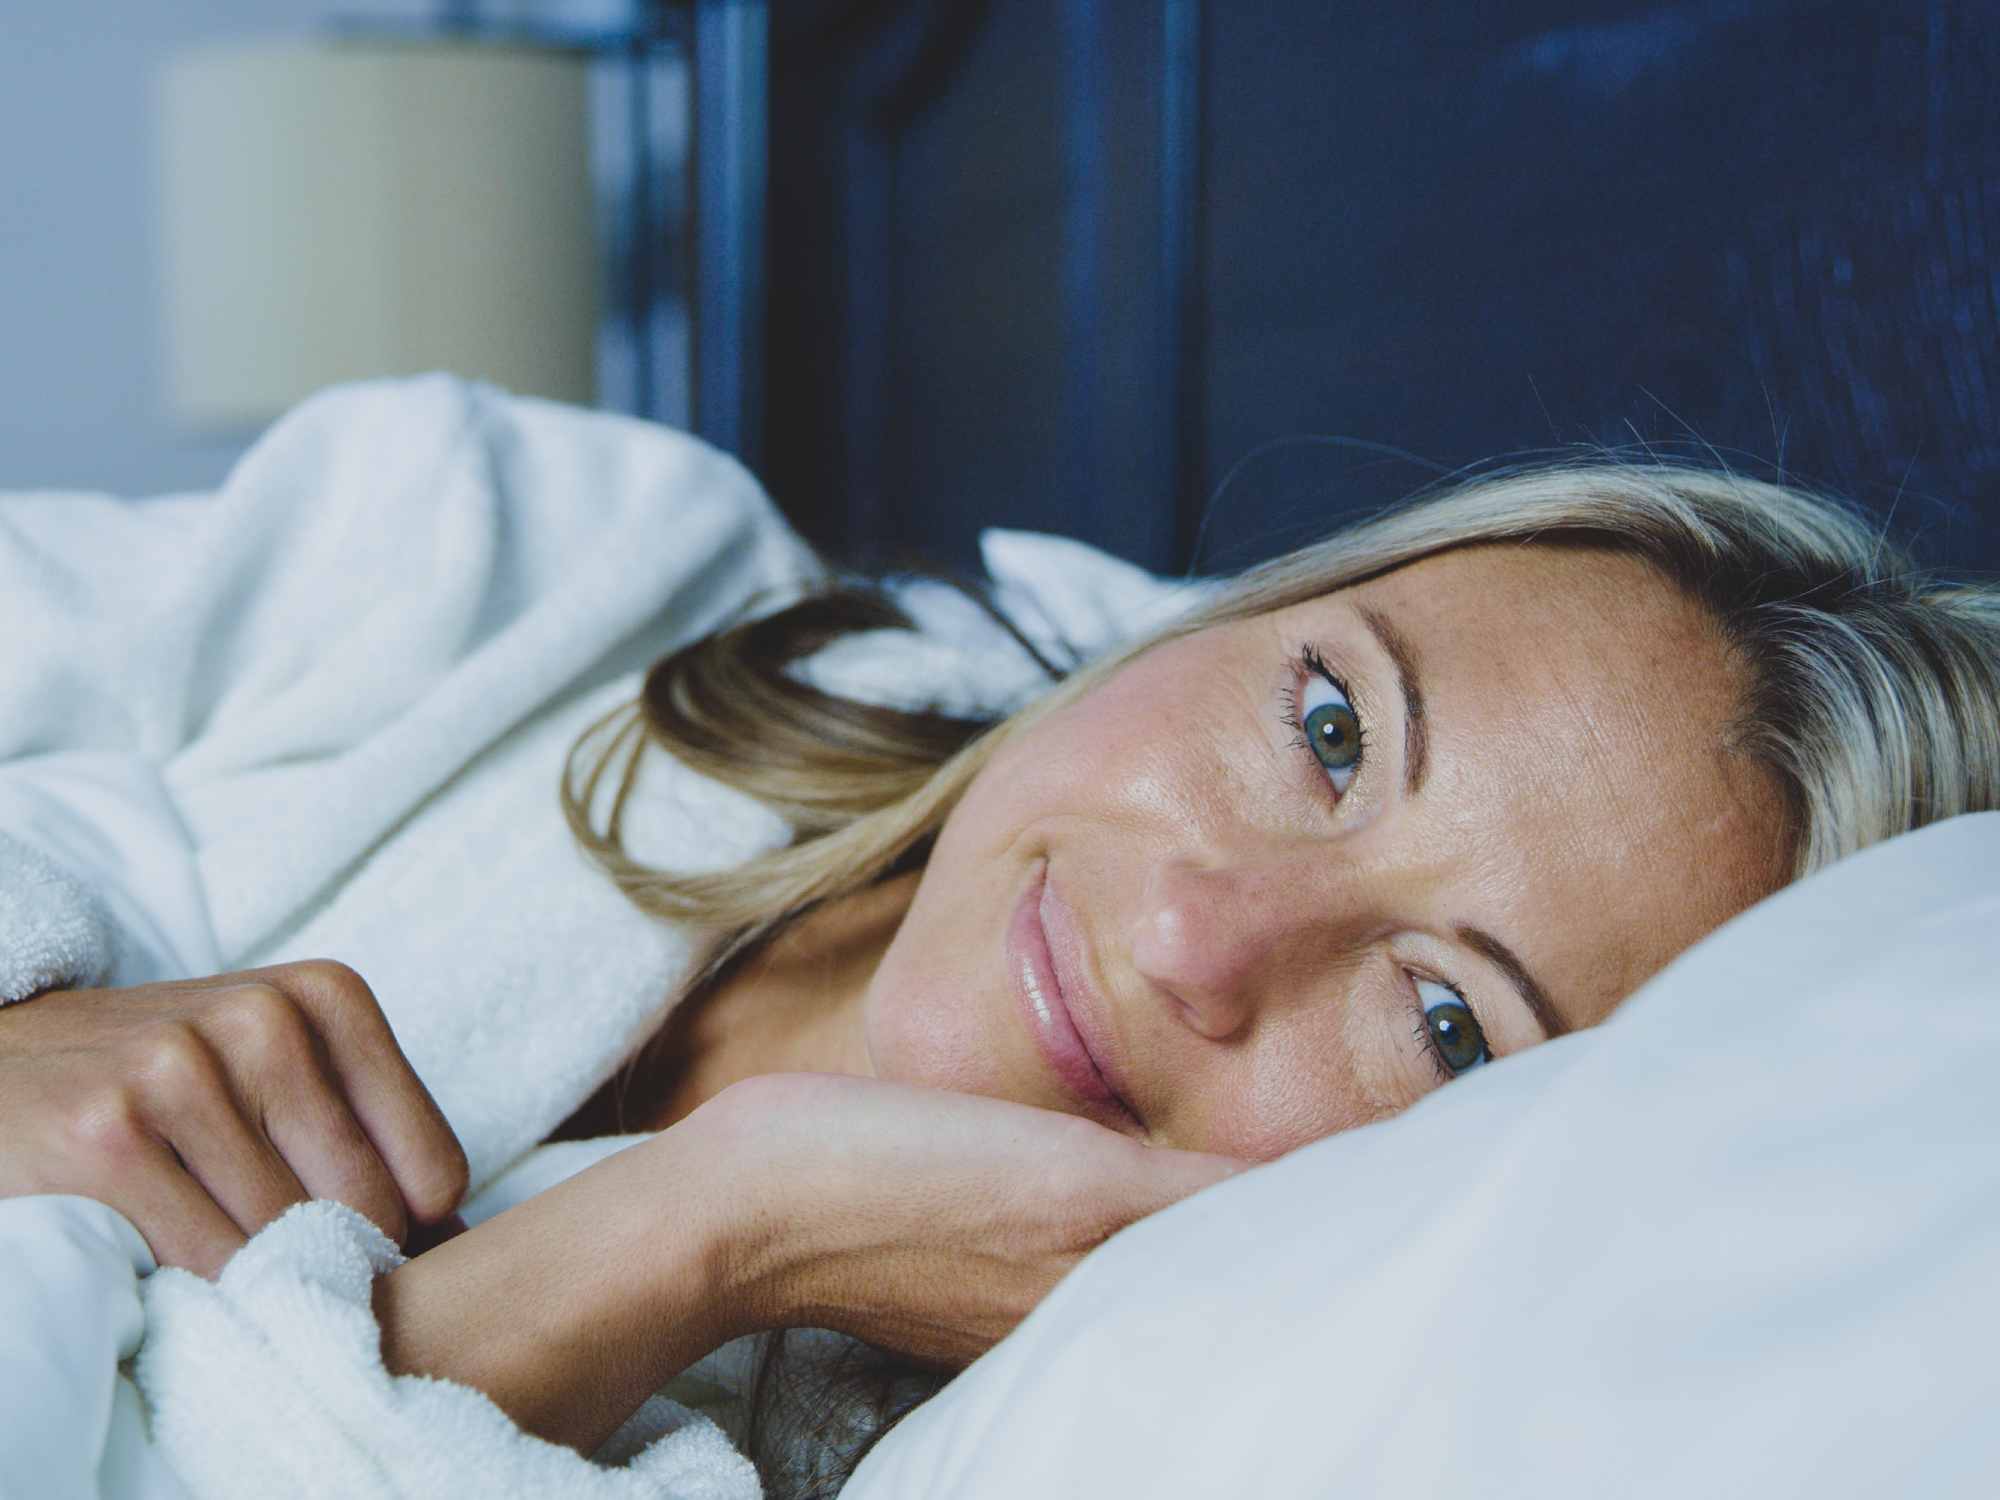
(1411, 800)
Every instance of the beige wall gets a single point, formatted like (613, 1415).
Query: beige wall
(79, 340)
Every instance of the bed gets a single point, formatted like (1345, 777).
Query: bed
(1736, 1242)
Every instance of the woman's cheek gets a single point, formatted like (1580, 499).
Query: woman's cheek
(926, 1051)
(935, 1015)
(1302, 1089)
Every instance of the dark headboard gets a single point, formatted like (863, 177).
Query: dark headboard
(1067, 263)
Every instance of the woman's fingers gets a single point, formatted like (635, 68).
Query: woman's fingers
(120, 1160)
(390, 1111)
(180, 1222)
(202, 1109)
(278, 1071)
(186, 1103)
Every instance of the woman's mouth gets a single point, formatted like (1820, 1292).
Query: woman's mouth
(1036, 972)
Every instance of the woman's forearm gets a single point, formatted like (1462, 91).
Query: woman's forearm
(926, 1222)
(569, 1309)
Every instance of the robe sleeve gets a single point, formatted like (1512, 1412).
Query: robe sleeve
(269, 1381)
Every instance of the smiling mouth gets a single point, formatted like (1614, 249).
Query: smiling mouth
(1032, 975)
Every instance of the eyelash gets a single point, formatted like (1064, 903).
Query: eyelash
(1307, 660)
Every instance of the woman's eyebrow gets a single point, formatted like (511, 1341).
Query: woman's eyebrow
(1416, 729)
(1503, 958)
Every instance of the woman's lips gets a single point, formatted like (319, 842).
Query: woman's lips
(1032, 972)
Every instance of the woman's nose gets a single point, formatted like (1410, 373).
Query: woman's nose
(1215, 940)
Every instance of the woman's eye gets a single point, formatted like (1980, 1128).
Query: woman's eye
(1451, 1030)
(1330, 725)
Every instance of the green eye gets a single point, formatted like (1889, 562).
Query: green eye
(1334, 733)
(1331, 727)
(1451, 1029)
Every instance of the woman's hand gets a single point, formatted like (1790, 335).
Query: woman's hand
(926, 1222)
(203, 1109)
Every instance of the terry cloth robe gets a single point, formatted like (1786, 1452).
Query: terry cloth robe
(323, 712)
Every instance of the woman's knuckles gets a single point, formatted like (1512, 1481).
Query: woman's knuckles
(171, 1070)
(333, 980)
(223, 1089)
(260, 1029)
(343, 1008)
(103, 1140)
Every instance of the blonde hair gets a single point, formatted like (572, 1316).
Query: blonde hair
(1872, 690)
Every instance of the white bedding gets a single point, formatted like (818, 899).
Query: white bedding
(1736, 1242)
(323, 713)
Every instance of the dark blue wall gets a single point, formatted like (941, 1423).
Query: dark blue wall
(1451, 231)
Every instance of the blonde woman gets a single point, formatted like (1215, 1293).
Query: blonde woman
(1379, 813)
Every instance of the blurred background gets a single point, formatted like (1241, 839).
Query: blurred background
(1192, 279)
(87, 199)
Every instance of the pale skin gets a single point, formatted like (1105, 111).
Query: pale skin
(876, 1125)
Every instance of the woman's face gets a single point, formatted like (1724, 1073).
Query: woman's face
(1284, 876)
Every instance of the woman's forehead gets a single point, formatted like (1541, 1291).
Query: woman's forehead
(1534, 582)
(1533, 642)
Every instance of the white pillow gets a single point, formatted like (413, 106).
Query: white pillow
(1067, 599)
(1743, 1240)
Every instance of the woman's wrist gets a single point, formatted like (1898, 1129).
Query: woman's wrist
(571, 1308)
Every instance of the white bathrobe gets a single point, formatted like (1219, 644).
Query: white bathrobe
(323, 712)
